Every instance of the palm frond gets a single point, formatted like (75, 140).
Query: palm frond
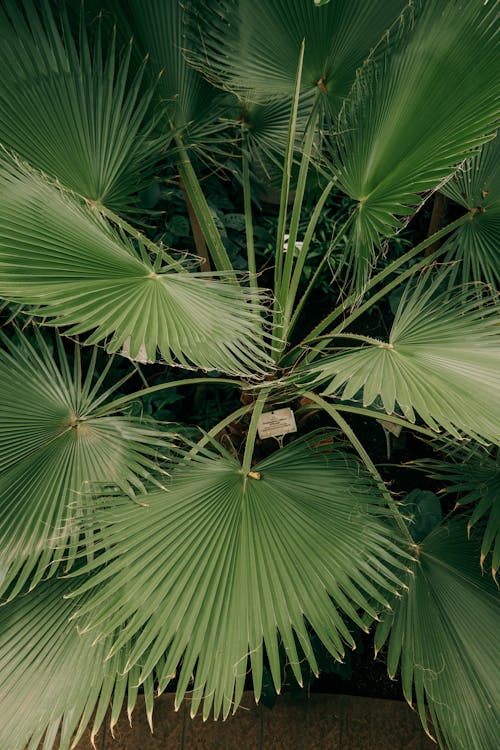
(54, 453)
(412, 117)
(476, 482)
(444, 633)
(55, 680)
(442, 361)
(222, 566)
(475, 245)
(251, 47)
(74, 112)
(65, 258)
(188, 102)
(266, 128)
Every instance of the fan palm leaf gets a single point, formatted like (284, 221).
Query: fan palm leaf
(62, 256)
(442, 361)
(476, 187)
(444, 633)
(222, 566)
(252, 48)
(188, 102)
(74, 112)
(476, 480)
(54, 680)
(412, 117)
(53, 454)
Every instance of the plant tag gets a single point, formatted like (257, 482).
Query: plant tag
(276, 423)
(395, 429)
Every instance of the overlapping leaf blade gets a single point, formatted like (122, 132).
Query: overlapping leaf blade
(444, 634)
(252, 47)
(54, 679)
(53, 454)
(412, 118)
(62, 256)
(187, 100)
(476, 244)
(442, 362)
(475, 479)
(221, 565)
(74, 112)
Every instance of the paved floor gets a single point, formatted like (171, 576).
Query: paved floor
(326, 722)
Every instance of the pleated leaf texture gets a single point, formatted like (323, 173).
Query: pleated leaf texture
(55, 681)
(252, 48)
(218, 570)
(73, 110)
(443, 632)
(475, 479)
(476, 187)
(54, 454)
(62, 256)
(441, 362)
(415, 115)
(193, 107)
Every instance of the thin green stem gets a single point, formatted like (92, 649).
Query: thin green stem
(302, 256)
(136, 234)
(383, 417)
(208, 437)
(297, 210)
(247, 207)
(354, 336)
(252, 430)
(375, 280)
(193, 189)
(123, 400)
(342, 231)
(357, 445)
(285, 182)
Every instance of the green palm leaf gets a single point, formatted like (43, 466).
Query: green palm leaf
(53, 678)
(442, 361)
(65, 258)
(189, 102)
(75, 114)
(252, 46)
(444, 632)
(222, 565)
(476, 480)
(413, 117)
(476, 187)
(266, 127)
(53, 452)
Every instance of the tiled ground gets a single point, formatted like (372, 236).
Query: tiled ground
(326, 722)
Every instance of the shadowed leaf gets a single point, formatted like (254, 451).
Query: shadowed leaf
(54, 453)
(444, 635)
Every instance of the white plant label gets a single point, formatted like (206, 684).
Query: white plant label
(276, 423)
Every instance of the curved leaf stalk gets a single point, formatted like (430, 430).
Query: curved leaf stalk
(194, 192)
(291, 319)
(382, 416)
(211, 434)
(285, 184)
(252, 430)
(119, 403)
(159, 252)
(247, 208)
(198, 236)
(333, 413)
(297, 208)
(391, 268)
